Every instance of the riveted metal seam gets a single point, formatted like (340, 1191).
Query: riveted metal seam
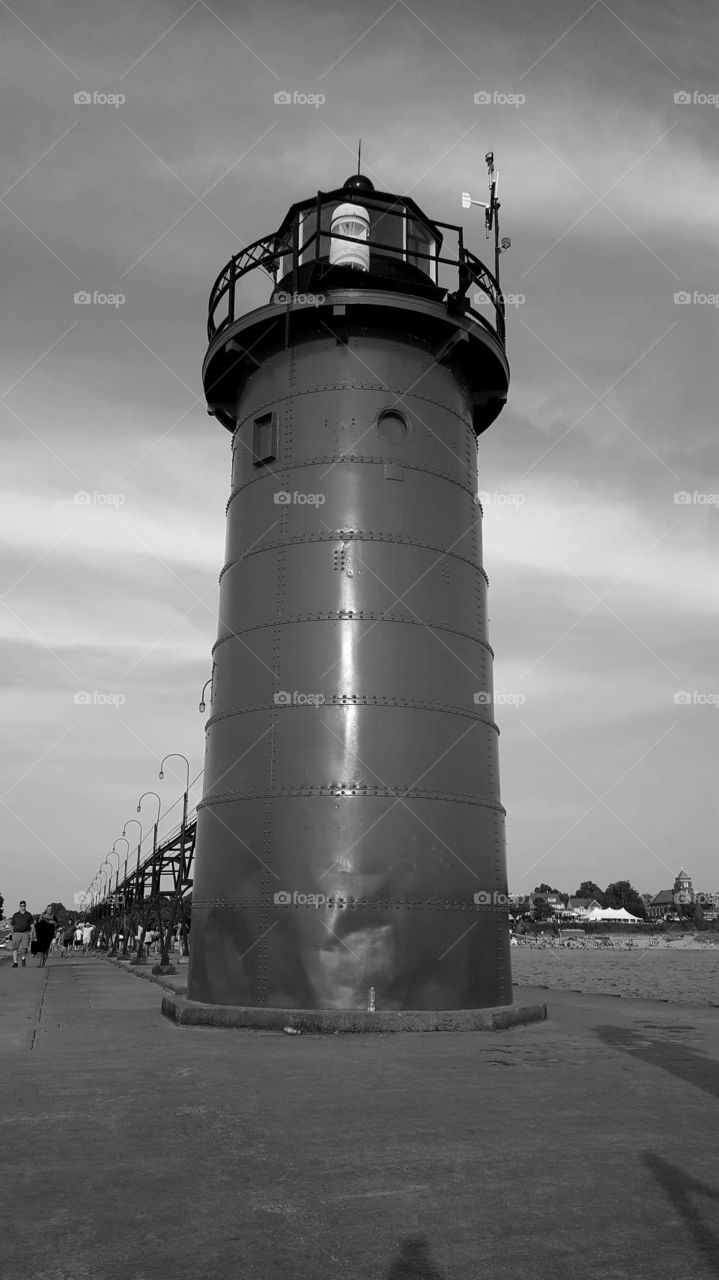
(338, 460)
(354, 535)
(340, 789)
(357, 700)
(356, 386)
(343, 615)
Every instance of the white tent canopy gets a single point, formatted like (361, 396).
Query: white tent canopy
(611, 913)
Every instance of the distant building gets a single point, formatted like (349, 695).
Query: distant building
(661, 905)
(553, 900)
(672, 901)
(708, 903)
(683, 889)
(583, 904)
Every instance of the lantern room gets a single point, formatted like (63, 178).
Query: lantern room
(357, 229)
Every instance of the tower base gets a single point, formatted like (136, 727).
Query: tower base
(193, 1013)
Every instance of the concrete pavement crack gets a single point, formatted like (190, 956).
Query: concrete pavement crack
(39, 1012)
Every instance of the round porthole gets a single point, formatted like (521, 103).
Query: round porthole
(392, 426)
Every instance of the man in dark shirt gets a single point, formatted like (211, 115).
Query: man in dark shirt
(21, 930)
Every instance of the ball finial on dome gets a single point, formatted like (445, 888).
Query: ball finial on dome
(358, 182)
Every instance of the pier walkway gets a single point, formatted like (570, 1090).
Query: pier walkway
(133, 1149)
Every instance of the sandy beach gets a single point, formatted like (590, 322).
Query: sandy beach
(683, 942)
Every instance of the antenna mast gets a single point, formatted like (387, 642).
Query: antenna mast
(491, 211)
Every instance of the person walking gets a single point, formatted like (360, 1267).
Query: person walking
(21, 929)
(45, 927)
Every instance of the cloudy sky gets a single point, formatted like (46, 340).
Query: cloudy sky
(603, 586)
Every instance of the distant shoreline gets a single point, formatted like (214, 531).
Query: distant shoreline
(617, 942)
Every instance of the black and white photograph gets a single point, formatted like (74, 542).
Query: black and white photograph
(359, 889)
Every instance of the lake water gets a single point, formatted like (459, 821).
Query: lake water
(690, 976)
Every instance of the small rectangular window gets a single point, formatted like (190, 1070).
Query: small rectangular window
(264, 439)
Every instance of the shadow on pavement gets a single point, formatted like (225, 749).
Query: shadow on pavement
(414, 1262)
(678, 1059)
(683, 1192)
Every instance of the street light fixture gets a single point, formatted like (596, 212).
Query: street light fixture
(113, 853)
(202, 695)
(108, 877)
(124, 829)
(127, 842)
(157, 819)
(179, 756)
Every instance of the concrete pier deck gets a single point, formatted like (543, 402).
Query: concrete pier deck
(584, 1146)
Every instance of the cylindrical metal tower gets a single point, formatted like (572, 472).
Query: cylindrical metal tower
(351, 834)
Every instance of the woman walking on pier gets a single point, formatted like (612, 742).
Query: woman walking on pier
(45, 927)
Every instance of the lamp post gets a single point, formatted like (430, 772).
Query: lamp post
(137, 869)
(157, 821)
(127, 842)
(106, 875)
(98, 909)
(105, 891)
(113, 853)
(113, 896)
(124, 838)
(164, 958)
(124, 893)
(93, 898)
(140, 958)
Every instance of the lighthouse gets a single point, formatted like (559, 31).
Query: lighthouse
(350, 840)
